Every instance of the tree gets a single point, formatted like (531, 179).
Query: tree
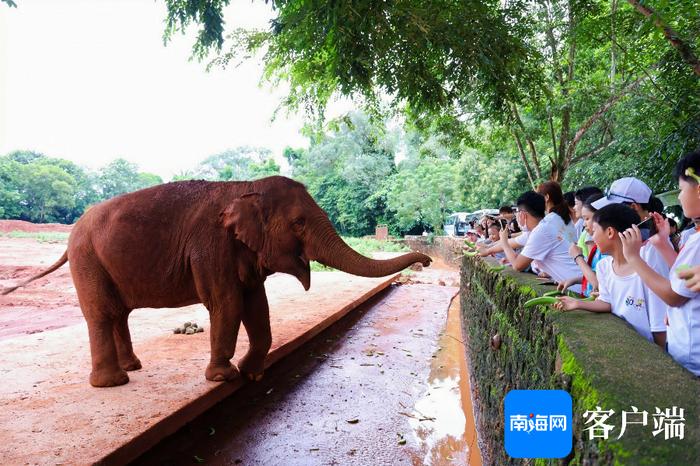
(241, 163)
(46, 187)
(424, 53)
(10, 195)
(344, 169)
(423, 194)
(121, 176)
(564, 77)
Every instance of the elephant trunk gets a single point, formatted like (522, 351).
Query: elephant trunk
(328, 248)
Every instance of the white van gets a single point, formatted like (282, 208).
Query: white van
(456, 224)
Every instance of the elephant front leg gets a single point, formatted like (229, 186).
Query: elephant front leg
(225, 322)
(256, 319)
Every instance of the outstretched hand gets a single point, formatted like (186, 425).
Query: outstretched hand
(564, 285)
(566, 303)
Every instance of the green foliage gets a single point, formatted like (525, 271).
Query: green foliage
(241, 163)
(121, 176)
(42, 189)
(425, 53)
(490, 182)
(42, 237)
(424, 193)
(343, 171)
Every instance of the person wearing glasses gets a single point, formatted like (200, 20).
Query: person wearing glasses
(547, 246)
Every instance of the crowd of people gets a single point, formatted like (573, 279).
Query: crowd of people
(616, 249)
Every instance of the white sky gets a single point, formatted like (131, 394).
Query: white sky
(90, 81)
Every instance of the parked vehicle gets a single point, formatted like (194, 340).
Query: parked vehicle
(456, 224)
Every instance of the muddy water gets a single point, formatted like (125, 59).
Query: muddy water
(453, 440)
(385, 386)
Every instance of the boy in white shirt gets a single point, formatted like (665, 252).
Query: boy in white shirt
(684, 314)
(622, 291)
(637, 195)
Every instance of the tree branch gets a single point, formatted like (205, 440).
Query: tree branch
(592, 152)
(551, 133)
(571, 149)
(521, 151)
(672, 36)
(530, 144)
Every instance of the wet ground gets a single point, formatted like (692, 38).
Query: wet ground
(385, 385)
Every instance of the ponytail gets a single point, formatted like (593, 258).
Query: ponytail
(556, 197)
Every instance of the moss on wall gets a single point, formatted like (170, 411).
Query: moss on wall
(598, 358)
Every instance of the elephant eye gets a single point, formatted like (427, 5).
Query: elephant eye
(300, 222)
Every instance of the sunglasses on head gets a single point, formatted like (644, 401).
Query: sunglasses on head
(609, 195)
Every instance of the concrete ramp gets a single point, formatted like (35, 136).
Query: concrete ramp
(51, 415)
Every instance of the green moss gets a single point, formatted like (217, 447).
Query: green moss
(603, 363)
(527, 291)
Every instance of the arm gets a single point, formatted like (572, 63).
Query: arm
(661, 286)
(588, 272)
(569, 304)
(497, 247)
(660, 339)
(517, 261)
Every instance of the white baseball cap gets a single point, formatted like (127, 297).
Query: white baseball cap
(625, 190)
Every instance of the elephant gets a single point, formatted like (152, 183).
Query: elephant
(209, 242)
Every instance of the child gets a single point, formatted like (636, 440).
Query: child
(637, 195)
(582, 195)
(494, 236)
(622, 291)
(587, 260)
(684, 315)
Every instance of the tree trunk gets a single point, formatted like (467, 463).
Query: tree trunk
(523, 157)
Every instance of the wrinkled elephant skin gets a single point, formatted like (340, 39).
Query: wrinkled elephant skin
(191, 242)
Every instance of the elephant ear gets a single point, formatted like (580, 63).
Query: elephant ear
(244, 218)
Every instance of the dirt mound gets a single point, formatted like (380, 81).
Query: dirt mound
(7, 226)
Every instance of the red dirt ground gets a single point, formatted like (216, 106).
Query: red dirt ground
(7, 226)
(22, 311)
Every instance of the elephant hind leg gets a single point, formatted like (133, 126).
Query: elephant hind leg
(106, 371)
(102, 307)
(125, 351)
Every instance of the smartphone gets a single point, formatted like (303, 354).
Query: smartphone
(647, 228)
(503, 222)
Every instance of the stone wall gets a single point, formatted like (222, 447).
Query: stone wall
(596, 357)
(445, 248)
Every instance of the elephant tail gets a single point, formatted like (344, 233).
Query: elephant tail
(59, 263)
